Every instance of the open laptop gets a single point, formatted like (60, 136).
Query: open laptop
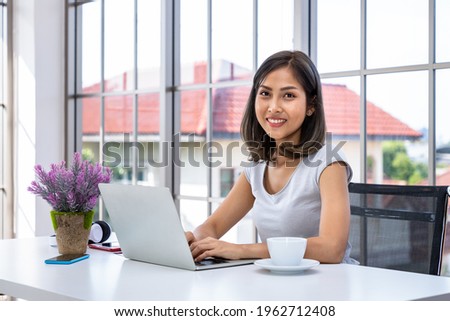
(149, 229)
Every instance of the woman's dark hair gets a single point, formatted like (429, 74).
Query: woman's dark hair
(313, 130)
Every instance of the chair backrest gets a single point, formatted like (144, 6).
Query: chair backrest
(398, 227)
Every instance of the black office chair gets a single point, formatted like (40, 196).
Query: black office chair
(398, 227)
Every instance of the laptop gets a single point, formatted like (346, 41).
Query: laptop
(149, 229)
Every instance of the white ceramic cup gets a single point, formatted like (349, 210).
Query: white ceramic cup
(286, 251)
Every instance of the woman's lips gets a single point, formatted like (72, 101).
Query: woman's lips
(276, 122)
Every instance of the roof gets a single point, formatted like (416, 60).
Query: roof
(443, 179)
(342, 113)
(340, 103)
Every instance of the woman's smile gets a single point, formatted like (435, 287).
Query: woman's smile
(276, 122)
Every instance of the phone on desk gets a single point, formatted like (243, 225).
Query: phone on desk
(66, 258)
(108, 246)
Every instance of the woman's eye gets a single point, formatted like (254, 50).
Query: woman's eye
(289, 95)
(263, 93)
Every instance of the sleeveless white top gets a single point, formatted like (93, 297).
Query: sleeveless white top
(295, 209)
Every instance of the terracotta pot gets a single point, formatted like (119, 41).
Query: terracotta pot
(72, 231)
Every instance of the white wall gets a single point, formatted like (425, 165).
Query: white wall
(38, 38)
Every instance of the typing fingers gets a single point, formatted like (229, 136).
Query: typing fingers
(190, 237)
(203, 248)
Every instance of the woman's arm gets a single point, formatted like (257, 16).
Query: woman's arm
(204, 241)
(233, 208)
(330, 245)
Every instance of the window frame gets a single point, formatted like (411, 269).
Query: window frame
(305, 39)
(363, 72)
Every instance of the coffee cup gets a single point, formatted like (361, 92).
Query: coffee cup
(286, 251)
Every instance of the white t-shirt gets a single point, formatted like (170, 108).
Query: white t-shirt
(295, 209)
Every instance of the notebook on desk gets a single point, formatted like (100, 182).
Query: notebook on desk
(149, 229)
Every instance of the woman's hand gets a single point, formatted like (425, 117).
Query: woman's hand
(190, 237)
(212, 247)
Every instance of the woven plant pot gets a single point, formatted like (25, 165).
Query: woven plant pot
(72, 231)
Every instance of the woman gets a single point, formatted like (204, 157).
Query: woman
(293, 188)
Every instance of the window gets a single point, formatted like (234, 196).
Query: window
(114, 100)
(5, 146)
(188, 137)
(167, 110)
(391, 88)
(385, 66)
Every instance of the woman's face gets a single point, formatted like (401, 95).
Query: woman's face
(280, 106)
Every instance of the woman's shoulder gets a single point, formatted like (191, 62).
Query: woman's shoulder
(328, 154)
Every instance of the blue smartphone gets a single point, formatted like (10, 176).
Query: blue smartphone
(66, 258)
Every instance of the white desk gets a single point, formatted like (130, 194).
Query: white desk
(107, 276)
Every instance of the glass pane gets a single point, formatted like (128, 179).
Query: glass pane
(226, 152)
(148, 117)
(118, 115)
(443, 150)
(193, 41)
(119, 45)
(3, 53)
(397, 126)
(338, 35)
(90, 128)
(3, 115)
(341, 101)
(279, 33)
(149, 43)
(2, 148)
(442, 130)
(117, 150)
(192, 213)
(91, 124)
(2, 206)
(232, 40)
(192, 160)
(442, 30)
(148, 135)
(397, 32)
(91, 42)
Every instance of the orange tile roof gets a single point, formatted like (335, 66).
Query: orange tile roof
(342, 112)
(340, 103)
(443, 179)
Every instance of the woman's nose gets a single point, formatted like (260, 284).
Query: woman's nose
(274, 107)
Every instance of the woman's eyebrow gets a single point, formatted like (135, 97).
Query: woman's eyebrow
(282, 89)
(289, 88)
(265, 87)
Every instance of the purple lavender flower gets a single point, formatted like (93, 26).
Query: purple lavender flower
(73, 189)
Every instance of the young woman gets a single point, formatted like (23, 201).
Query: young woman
(294, 187)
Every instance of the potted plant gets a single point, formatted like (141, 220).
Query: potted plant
(72, 193)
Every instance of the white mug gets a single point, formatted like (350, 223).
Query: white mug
(286, 251)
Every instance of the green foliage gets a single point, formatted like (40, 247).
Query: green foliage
(117, 172)
(398, 165)
(402, 167)
(420, 172)
(88, 154)
(390, 151)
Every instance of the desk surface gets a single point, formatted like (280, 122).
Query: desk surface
(108, 276)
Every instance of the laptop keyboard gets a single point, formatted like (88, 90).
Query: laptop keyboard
(210, 261)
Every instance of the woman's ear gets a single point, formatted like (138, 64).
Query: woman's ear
(311, 108)
(310, 111)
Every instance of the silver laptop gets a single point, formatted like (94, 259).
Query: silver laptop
(149, 229)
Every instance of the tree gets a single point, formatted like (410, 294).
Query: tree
(398, 165)
(402, 167)
(390, 150)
